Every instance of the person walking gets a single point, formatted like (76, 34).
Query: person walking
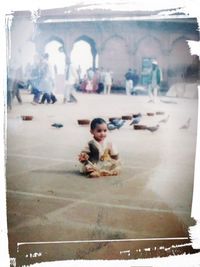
(71, 80)
(155, 80)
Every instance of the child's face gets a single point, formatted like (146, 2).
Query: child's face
(100, 132)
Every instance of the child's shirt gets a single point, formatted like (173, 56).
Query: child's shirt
(100, 150)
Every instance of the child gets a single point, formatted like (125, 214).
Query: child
(99, 157)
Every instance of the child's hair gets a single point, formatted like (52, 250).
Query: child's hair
(95, 122)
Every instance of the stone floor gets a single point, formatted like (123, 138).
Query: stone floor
(147, 206)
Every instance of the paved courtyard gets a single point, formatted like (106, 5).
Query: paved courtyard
(48, 200)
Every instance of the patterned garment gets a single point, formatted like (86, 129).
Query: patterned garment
(100, 158)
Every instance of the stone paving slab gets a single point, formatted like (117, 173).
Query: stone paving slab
(152, 196)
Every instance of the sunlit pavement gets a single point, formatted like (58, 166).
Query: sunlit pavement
(147, 206)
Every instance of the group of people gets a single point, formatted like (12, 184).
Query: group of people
(100, 81)
(37, 77)
(40, 81)
(153, 84)
(97, 81)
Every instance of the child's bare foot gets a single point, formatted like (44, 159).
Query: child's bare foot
(94, 174)
(89, 168)
(105, 173)
(114, 172)
(108, 173)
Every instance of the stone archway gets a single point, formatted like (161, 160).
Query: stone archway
(82, 57)
(180, 59)
(115, 56)
(92, 45)
(56, 55)
(55, 48)
(148, 47)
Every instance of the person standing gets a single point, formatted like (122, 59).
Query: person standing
(89, 84)
(101, 81)
(71, 79)
(107, 82)
(129, 81)
(155, 79)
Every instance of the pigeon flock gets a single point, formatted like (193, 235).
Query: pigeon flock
(136, 118)
(117, 123)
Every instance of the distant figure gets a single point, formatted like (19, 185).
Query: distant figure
(79, 72)
(135, 77)
(90, 74)
(9, 92)
(101, 80)
(89, 80)
(95, 81)
(129, 81)
(35, 78)
(107, 82)
(71, 79)
(99, 157)
(155, 79)
(46, 84)
(17, 84)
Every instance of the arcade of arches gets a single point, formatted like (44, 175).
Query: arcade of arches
(120, 45)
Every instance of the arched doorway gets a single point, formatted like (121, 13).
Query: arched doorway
(56, 55)
(180, 60)
(54, 48)
(115, 57)
(84, 54)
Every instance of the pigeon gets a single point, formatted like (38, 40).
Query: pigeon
(153, 128)
(115, 121)
(120, 124)
(186, 125)
(164, 120)
(137, 115)
(57, 125)
(136, 120)
(111, 126)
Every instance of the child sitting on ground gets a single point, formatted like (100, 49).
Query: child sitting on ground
(99, 157)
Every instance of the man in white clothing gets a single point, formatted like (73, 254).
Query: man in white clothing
(70, 81)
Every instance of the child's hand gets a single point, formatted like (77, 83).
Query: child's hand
(83, 157)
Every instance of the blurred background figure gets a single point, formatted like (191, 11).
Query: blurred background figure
(89, 80)
(14, 84)
(71, 79)
(101, 80)
(129, 81)
(47, 83)
(35, 78)
(107, 81)
(155, 79)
